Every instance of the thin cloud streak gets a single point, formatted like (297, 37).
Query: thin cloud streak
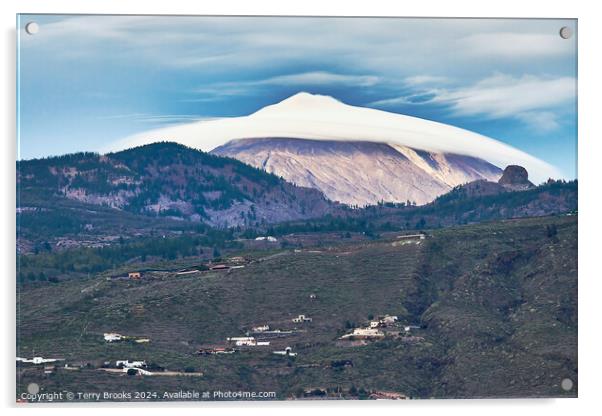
(499, 96)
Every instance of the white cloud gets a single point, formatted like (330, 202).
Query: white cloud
(223, 90)
(541, 121)
(158, 118)
(425, 79)
(321, 77)
(515, 45)
(400, 47)
(528, 98)
(504, 95)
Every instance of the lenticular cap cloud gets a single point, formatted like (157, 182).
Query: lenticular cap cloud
(319, 117)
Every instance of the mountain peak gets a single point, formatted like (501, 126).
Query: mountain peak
(300, 102)
(304, 97)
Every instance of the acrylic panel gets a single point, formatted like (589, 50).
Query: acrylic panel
(295, 208)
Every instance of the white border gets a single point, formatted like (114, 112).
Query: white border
(590, 138)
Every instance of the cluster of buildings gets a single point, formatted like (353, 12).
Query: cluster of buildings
(375, 328)
(261, 332)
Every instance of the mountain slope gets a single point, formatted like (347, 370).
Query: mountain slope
(496, 304)
(361, 172)
(169, 180)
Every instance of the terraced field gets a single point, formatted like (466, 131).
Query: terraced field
(496, 302)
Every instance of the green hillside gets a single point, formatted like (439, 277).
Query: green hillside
(496, 304)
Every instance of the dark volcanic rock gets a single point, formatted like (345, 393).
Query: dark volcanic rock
(516, 178)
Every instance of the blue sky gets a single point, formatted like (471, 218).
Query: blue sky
(86, 81)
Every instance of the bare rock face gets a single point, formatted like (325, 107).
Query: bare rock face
(361, 173)
(516, 178)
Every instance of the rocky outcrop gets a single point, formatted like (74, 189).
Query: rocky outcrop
(516, 178)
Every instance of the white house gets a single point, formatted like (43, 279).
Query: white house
(128, 364)
(267, 238)
(364, 333)
(112, 337)
(301, 318)
(262, 328)
(387, 320)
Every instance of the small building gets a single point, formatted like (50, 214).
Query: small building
(128, 364)
(261, 328)
(364, 333)
(113, 337)
(301, 319)
(215, 351)
(375, 324)
(388, 320)
(135, 275)
(267, 238)
(219, 267)
(288, 351)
